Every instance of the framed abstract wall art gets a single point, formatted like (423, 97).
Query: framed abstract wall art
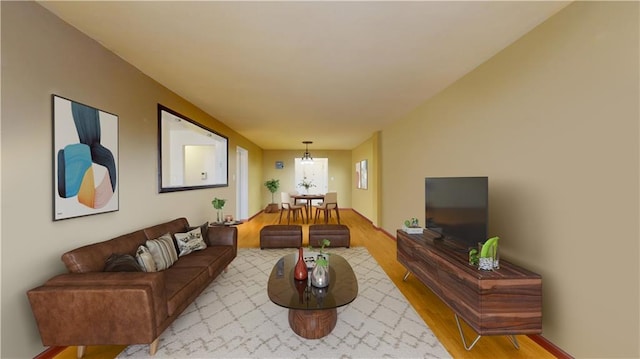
(85, 156)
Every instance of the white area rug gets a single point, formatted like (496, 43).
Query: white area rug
(234, 318)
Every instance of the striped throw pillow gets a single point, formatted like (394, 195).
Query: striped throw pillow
(163, 251)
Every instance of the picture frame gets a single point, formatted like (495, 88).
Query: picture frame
(190, 155)
(85, 160)
(364, 183)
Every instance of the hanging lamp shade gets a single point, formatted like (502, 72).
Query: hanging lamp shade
(306, 157)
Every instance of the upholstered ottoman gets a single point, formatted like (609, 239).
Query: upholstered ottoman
(337, 234)
(281, 236)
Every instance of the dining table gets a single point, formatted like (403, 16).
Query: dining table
(308, 201)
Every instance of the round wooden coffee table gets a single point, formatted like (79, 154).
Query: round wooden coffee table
(312, 311)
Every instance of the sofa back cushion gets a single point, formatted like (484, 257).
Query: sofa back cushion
(92, 257)
(177, 225)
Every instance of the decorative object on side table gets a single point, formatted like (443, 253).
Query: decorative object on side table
(411, 226)
(272, 185)
(218, 204)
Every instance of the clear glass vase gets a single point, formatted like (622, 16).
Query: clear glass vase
(320, 276)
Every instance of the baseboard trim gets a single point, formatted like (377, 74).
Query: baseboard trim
(549, 346)
(50, 353)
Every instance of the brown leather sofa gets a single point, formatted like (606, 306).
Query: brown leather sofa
(88, 306)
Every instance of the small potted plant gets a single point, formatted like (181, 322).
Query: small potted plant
(272, 185)
(218, 204)
(411, 226)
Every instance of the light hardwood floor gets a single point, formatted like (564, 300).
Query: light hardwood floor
(383, 248)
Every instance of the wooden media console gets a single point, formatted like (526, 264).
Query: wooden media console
(505, 301)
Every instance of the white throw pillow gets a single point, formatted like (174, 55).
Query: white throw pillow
(145, 259)
(163, 251)
(190, 241)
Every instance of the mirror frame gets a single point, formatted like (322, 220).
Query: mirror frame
(165, 187)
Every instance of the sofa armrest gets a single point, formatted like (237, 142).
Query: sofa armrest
(223, 236)
(100, 308)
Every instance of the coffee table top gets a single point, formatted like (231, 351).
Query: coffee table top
(287, 292)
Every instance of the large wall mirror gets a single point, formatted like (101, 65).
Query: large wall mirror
(190, 156)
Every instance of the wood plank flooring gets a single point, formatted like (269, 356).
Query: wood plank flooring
(383, 248)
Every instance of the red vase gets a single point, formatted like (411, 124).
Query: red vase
(300, 270)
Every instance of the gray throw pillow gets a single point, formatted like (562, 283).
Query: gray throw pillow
(121, 263)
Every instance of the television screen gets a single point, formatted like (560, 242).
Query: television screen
(457, 208)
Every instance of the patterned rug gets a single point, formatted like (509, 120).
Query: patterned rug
(234, 318)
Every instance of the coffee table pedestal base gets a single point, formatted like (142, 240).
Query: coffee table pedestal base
(313, 324)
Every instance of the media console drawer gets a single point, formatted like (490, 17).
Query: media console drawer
(506, 301)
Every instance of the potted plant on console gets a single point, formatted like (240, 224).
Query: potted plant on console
(272, 185)
(411, 226)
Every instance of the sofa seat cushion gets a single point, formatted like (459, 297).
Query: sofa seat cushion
(183, 284)
(214, 258)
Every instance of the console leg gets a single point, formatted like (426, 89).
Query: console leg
(406, 275)
(512, 338)
(514, 341)
(464, 341)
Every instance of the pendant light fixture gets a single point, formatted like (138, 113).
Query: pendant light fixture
(306, 157)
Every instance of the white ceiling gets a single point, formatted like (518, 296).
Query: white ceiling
(283, 72)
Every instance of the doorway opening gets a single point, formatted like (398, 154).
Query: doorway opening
(242, 183)
(317, 173)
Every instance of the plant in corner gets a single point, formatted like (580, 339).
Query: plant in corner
(272, 185)
(218, 204)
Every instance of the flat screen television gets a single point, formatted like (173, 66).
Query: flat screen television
(457, 209)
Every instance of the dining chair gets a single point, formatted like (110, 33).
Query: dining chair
(287, 205)
(330, 203)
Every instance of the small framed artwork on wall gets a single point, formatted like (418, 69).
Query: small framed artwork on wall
(85, 160)
(363, 175)
(279, 165)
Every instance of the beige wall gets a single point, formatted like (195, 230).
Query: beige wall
(41, 56)
(365, 201)
(339, 173)
(553, 121)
